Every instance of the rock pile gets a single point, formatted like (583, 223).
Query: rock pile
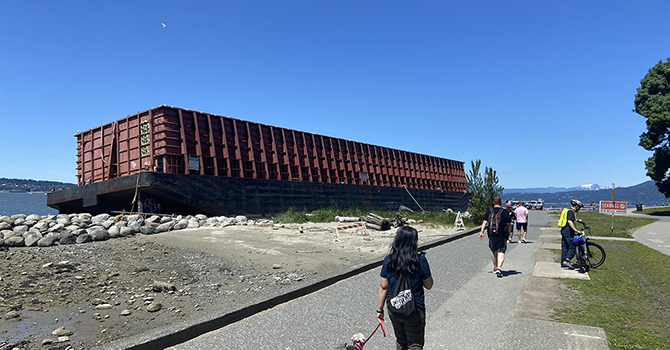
(43, 231)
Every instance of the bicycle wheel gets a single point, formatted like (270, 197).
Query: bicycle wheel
(596, 254)
(582, 258)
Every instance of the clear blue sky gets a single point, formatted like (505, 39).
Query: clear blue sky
(540, 91)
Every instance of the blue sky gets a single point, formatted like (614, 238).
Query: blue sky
(540, 91)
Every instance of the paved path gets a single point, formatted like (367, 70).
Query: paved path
(468, 308)
(655, 235)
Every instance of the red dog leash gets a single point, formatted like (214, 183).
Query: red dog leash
(381, 323)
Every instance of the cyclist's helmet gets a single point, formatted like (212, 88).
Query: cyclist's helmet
(576, 203)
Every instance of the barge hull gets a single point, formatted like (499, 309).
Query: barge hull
(217, 195)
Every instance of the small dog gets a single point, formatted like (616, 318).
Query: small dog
(358, 340)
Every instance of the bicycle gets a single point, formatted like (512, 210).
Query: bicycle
(589, 255)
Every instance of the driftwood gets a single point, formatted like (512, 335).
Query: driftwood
(373, 226)
(398, 220)
(383, 223)
(347, 218)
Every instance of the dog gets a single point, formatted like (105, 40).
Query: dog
(358, 340)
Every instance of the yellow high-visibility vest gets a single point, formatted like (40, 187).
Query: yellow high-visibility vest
(563, 220)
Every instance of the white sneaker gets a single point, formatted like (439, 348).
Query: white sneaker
(523, 240)
(519, 242)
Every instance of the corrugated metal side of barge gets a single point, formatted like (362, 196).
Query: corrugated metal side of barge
(174, 140)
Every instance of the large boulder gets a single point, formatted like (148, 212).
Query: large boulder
(84, 238)
(15, 241)
(127, 231)
(64, 221)
(67, 238)
(85, 218)
(29, 223)
(31, 238)
(182, 224)
(99, 235)
(18, 216)
(42, 225)
(114, 232)
(20, 230)
(153, 219)
(164, 227)
(57, 228)
(193, 223)
(47, 241)
(34, 217)
(107, 223)
(148, 229)
(99, 218)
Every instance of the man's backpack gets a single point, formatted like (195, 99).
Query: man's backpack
(402, 303)
(494, 220)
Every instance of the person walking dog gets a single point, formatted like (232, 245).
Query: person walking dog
(407, 268)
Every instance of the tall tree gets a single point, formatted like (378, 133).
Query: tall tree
(652, 101)
(483, 188)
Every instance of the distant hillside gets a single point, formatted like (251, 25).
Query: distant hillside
(589, 187)
(645, 193)
(23, 185)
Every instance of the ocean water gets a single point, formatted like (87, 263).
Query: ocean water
(25, 203)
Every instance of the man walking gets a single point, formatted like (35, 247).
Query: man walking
(510, 229)
(521, 221)
(496, 221)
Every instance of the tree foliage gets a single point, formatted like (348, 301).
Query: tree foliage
(483, 189)
(652, 101)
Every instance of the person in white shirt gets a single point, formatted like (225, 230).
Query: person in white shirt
(521, 221)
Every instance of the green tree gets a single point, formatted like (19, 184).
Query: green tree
(483, 189)
(652, 101)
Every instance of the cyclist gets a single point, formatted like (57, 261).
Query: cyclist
(567, 224)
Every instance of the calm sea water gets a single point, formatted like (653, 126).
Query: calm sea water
(25, 203)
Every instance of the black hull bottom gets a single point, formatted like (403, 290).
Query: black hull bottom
(216, 195)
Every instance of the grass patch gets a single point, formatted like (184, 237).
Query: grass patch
(601, 224)
(659, 211)
(629, 295)
(328, 215)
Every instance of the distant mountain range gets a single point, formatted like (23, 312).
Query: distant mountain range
(589, 187)
(24, 185)
(645, 193)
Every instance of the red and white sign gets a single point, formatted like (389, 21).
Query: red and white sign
(613, 207)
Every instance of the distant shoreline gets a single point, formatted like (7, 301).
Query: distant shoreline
(29, 192)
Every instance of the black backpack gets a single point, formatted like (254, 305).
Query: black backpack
(495, 226)
(402, 303)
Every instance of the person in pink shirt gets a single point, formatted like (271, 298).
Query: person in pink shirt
(521, 221)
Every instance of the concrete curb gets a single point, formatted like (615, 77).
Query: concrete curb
(183, 331)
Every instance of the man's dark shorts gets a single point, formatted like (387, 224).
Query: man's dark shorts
(522, 225)
(498, 243)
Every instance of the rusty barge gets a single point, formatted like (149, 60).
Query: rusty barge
(174, 160)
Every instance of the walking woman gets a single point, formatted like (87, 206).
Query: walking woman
(404, 259)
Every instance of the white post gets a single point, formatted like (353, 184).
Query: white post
(612, 202)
